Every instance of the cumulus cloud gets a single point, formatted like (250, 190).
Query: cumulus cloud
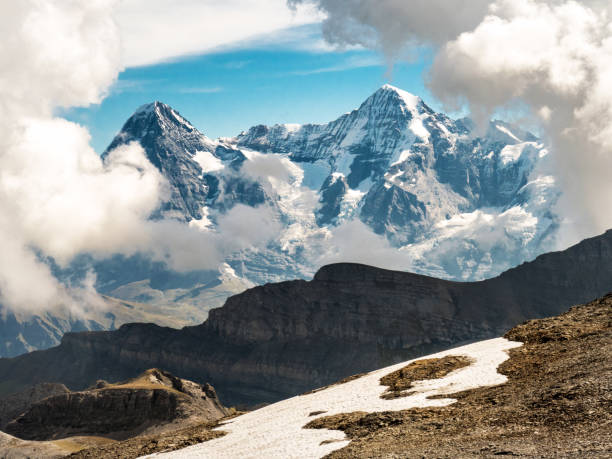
(391, 25)
(553, 56)
(354, 242)
(58, 198)
(187, 248)
(264, 167)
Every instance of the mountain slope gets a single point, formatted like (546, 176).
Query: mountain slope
(421, 191)
(278, 430)
(277, 340)
(23, 332)
(556, 402)
(153, 402)
(417, 177)
(454, 202)
(549, 397)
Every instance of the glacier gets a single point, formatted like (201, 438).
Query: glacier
(442, 197)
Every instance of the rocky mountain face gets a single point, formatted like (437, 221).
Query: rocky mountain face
(152, 400)
(13, 405)
(437, 189)
(438, 196)
(22, 332)
(555, 403)
(282, 339)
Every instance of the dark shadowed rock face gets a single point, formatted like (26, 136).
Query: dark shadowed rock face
(13, 405)
(278, 340)
(119, 410)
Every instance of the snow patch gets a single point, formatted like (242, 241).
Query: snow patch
(511, 154)
(204, 223)
(336, 176)
(278, 430)
(417, 126)
(350, 203)
(507, 132)
(404, 155)
(411, 101)
(315, 173)
(207, 161)
(180, 119)
(292, 127)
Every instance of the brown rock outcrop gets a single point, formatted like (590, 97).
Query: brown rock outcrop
(13, 405)
(153, 400)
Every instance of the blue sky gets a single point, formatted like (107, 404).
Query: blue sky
(229, 90)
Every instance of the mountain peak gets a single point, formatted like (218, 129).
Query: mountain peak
(388, 91)
(391, 102)
(162, 113)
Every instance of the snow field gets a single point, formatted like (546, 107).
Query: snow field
(276, 431)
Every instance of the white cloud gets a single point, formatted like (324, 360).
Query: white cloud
(390, 25)
(352, 62)
(58, 198)
(355, 242)
(263, 167)
(158, 30)
(553, 56)
(556, 56)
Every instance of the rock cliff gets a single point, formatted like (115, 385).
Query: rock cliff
(152, 401)
(282, 339)
(13, 405)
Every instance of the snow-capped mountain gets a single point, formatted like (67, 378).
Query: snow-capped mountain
(426, 181)
(458, 204)
(392, 183)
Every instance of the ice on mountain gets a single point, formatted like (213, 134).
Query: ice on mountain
(506, 131)
(436, 189)
(315, 173)
(207, 161)
(511, 153)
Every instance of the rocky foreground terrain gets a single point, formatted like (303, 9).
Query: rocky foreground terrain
(557, 402)
(153, 403)
(278, 340)
(13, 405)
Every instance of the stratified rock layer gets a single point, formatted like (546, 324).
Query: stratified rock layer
(278, 340)
(153, 400)
(13, 405)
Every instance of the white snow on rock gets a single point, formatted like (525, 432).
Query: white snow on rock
(507, 132)
(315, 173)
(511, 153)
(208, 162)
(276, 431)
(412, 101)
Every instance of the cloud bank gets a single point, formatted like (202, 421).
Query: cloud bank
(58, 198)
(553, 56)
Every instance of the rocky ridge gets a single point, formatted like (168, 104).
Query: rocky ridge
(446, 199)
(154, 401)
(13, 405)
(556, 402)
(278, 340)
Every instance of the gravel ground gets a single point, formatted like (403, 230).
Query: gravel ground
(557, 401)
